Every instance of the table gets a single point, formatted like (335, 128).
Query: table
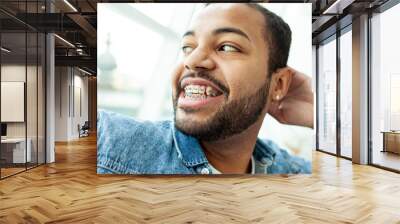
(18, 149)
(391, 141)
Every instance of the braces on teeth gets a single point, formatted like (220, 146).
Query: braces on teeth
(196, 91)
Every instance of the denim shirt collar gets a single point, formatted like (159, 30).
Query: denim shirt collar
(192, 154)
(189, 149)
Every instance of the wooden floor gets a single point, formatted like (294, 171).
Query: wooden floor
(10, 171)
(69, 191)
(5, 172)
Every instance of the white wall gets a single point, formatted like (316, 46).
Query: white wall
(62, 81)
(33, 126)
(70, 84)
(12, 73)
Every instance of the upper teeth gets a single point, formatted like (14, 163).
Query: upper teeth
(197, 89)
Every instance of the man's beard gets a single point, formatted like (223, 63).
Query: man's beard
(232, 117)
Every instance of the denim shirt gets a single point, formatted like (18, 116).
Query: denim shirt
(128, 146)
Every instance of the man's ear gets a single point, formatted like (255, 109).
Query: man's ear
(280, 83)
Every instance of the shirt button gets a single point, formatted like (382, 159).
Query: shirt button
(205, 171)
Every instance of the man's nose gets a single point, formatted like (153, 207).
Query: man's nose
(199, 59)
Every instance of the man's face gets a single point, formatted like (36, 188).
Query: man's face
(223, 87)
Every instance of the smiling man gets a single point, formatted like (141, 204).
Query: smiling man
(233, 72)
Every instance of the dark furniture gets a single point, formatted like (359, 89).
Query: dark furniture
(3, 129)
(84, 130)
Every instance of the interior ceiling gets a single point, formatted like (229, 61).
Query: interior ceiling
(79, 27)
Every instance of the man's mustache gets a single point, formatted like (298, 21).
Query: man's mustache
(206, 76)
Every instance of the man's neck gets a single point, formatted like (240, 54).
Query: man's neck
(233, 155)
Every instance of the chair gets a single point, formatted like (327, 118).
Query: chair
(84, 130)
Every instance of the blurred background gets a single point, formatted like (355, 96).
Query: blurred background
(139, 44)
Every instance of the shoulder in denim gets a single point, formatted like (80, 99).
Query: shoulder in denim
(128, 146)
(278, 160)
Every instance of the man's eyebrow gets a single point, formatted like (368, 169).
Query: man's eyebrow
(188, 33)
(221, 31)
(230, 30)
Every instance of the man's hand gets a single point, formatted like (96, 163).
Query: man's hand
(297, 107)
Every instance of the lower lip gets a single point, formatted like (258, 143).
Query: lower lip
(190, 103)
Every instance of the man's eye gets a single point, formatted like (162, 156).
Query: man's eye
(187, 49)
(228, 48)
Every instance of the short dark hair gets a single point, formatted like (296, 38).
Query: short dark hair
(278, 35)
